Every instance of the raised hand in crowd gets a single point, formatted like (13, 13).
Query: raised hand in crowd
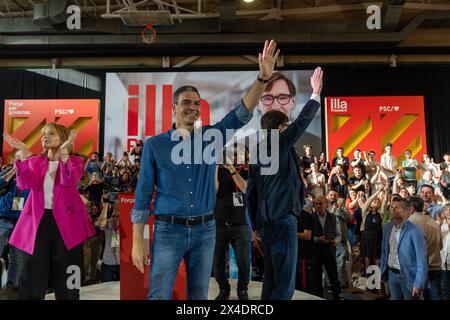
(17, 144)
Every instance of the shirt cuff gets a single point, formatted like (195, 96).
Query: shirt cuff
(140, 216)
(316, 97)
(242, 113)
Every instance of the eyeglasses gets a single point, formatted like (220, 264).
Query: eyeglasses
(282, 99)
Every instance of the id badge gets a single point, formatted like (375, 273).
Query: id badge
(17, 204)
(238, 199)
(115, 240)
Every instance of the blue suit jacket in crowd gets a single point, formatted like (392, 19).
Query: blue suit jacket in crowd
(412, 255)
(271, 197)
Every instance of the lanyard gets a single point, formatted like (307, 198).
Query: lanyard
(114, 225)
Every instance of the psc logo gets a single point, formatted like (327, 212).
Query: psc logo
(64, 111)
(388, 108)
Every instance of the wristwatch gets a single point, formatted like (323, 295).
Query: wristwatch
(261, 79)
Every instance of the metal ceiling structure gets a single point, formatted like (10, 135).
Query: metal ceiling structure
(225, 27)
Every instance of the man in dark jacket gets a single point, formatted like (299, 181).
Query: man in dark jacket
(275, 196)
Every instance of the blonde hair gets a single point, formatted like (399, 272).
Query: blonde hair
(61, 131)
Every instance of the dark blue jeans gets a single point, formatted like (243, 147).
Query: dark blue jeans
(280, 258)
(110, 272)
(434, 292)
(173, 242)
(445, 284)
(15, 258)
(398, 287)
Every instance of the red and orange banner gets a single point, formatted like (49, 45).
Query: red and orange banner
(369, 123)
(133, 284)
(24, 120)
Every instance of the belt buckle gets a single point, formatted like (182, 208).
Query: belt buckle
(228, 224)
(187, 221)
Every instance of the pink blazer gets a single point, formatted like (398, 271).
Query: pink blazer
(70, 214)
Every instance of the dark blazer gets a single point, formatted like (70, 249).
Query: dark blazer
(280, 192)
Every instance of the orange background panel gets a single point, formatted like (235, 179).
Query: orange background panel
(24, 120)
(368, 123)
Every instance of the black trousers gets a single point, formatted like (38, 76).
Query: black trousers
(238, 236)
(329, 262)
(305, 279)
(49, 265)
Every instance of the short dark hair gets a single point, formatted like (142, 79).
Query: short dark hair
(371, 152)
(427, 186)
(333, 190)
(340, 148)
(407, 150)
(358, 166)
(388, 145)
(280, 76)
(417, 203)
(404, 202)
(182, 89)
(447, 154)
(273, 119)
(359, 150)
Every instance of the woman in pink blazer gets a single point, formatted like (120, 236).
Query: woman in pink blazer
(54, 222)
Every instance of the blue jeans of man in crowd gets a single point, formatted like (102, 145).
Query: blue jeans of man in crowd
(280, 247)
(434, 292)
(445, 282)
(341, 262)
(6, 228)
(173, 242)
(398, 288)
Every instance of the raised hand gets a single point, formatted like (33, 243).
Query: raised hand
(316, 81)
(69, 142)
(17, 144)
(267, 59)
(14, 142)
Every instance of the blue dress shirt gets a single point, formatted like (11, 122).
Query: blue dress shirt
(186, 189)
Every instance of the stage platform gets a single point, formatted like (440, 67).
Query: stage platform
(254, 291)
(101, 291)
(111, 291)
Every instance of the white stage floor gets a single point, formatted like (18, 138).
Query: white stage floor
(102, 291)
(111, 291)
(254, 291)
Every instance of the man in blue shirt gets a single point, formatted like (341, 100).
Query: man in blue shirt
(185, 193)
(276, 199)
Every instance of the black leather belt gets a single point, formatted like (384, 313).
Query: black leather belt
(394, 270)
(187, 222)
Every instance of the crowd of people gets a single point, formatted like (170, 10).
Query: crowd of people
(365, 196)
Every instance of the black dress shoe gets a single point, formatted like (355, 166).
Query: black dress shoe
(243, 295)
(223, 295)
